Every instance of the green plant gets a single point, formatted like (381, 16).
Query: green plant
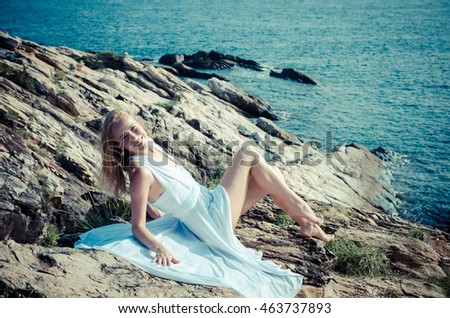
(392, 293)
(8, 292)
(60, 150)
(51, 236)
(49, 193)
(32, 116)
(102, 60)
(167, 105)
(355, 259)
(21, 78)
(6, 70)
(171, 103)
(418, 234)
(211, 184)
(59, 76)
(283, 220)
(22, 133)
(189, 143)
(109, 212)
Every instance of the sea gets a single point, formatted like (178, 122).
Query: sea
(382, 67)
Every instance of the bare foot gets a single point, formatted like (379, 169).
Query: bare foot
(304, 211)
(313, 230)
(321, 220)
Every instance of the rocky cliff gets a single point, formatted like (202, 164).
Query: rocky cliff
(52, 102)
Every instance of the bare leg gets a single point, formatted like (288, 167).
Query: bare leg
(247, 183)
(256, 193)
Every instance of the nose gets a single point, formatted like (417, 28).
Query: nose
(133, 135)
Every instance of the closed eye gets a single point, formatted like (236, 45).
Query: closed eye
(127, 135)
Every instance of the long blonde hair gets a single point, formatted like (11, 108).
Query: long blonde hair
(115, 160)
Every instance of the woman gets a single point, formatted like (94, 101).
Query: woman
(205, 217)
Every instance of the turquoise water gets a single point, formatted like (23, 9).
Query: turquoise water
(383, 67)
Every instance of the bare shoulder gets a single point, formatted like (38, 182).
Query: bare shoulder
(141, 176)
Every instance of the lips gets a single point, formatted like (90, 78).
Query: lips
(139, 143)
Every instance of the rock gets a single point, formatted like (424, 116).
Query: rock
(211, 60)
(273, 130)
(248, 103)
(415, 257)
(170, 59)
(180, 69)
(76, 168)
(442, 247)
(95, 124)
(61, 272)
(195, 123)
(289, 73)
(390, 156)
(197, 86)
(413, 288)
(9, 42)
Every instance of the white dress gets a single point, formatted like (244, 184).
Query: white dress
(197, 230)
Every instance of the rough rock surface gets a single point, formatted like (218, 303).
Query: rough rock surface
(51, 106)
(37, 271)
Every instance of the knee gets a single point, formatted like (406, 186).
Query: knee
(251, 155)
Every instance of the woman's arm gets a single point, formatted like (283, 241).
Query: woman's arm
(140, 181)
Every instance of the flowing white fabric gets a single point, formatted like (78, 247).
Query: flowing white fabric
(197, 230)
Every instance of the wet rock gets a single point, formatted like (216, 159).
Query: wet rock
(170, 59)
(289, 73)
(211, 60)
(180, 69)
(390, 156)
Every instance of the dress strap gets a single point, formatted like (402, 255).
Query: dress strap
(164, 153)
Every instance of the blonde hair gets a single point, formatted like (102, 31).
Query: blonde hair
(115, 160)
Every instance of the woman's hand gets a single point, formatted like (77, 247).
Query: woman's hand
(154, 213)
(164, 257)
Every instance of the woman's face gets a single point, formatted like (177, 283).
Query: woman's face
(129, 134)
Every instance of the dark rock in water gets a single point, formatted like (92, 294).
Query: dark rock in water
(180, 69)
(390, 156)
(290, 73)
(212, 60)
(170, 59)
